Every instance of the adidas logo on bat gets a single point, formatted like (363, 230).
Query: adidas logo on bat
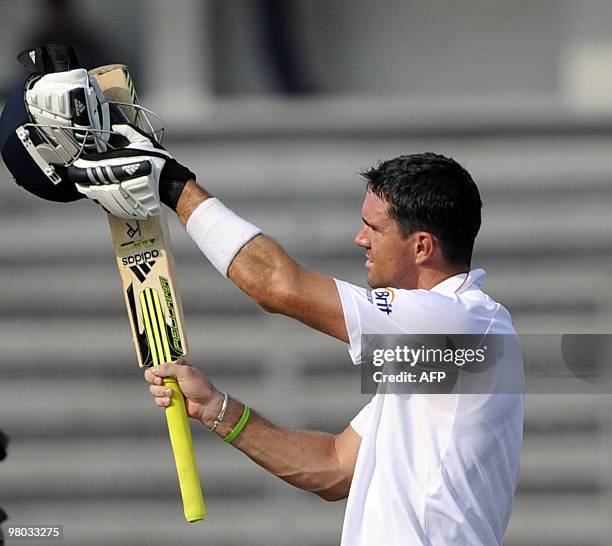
(130, 169)
(141, 264)
(141, 271)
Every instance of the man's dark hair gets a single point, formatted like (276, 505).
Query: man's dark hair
(433, 193)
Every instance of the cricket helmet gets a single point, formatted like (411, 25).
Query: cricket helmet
(57, 115)
(16, 134)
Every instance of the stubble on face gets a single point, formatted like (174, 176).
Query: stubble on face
(387, 252)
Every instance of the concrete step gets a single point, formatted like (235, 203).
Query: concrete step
(290, 518)
(119, 467)
(93, 290)
(114, 468)
(558, 411)
(71, 407)
(550, 462)
(561, 226)
(153, 521)
(71, 343)
(300, 166)
(559, 520)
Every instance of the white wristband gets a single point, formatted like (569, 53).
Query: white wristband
(219, 232)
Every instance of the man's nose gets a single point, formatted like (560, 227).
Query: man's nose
(361, 239)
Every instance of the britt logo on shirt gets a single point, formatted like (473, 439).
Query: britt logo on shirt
(383, 298)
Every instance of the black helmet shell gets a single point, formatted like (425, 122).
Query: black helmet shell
(24, 169)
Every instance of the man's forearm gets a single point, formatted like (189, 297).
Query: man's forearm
(307, 460)
(255, 271)
(191, 197)
(276, 282)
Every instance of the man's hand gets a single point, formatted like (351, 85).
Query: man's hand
(173, 175)
(130, 182)
(202, 400)
(312, 461)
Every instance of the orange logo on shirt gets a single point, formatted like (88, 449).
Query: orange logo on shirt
(383, 298)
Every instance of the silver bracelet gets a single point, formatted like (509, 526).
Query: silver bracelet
(221, 415)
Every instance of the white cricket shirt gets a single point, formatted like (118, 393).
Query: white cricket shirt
(439, 469)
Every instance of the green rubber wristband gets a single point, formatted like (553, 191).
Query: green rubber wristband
(233, 434)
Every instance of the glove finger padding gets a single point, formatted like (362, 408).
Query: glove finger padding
(138, 139)
(134, 136)
(174, 176)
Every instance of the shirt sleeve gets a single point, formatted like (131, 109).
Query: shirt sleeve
(360, 421)
(367, 312)
(348, 294)
(391, 311)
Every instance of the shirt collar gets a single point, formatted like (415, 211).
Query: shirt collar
(459, 283)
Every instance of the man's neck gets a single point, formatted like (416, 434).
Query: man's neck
(428, 278)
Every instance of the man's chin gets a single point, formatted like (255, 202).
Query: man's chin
(375, 283)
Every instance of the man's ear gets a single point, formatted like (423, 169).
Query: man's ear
(425, 246)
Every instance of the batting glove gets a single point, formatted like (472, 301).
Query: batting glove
(130, 182)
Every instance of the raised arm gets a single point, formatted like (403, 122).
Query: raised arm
(276, 282)
(256, 263)
(313, 461)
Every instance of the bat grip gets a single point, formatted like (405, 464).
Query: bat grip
(184, 456)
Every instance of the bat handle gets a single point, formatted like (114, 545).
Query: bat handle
(184, 456)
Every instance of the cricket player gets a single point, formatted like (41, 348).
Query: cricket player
(417, 469)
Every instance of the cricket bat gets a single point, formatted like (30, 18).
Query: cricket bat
(146, 267)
